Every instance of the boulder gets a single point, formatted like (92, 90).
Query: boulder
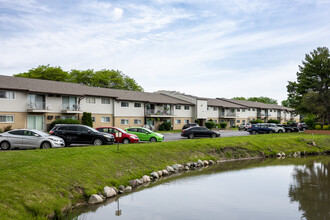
(278, 155)
(283, 154)
(128, 189)
(146, 179)
(170, 169)
(154, 175)
(175, 167)
(139, 181)
(160, 173)
(133, 183)
(200, 163)
(121, 188)
(206, 163)
(186, 168)
(180, 167)
(165, 172)
(109, 191)
(94, 199)
(188, 164)
(211, 162)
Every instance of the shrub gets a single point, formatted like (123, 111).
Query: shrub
(223, 124)
(326, 127)
(64, 121)
(273, 121)
(87, 119)
(0, 130)
(7, 128)
(165, 126)
(210, 124)
(318, 127)
(256, 121)
(310, 122)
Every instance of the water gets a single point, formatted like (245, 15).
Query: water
(252, 189)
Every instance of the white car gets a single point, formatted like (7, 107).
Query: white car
(276, 128)
(25, 139)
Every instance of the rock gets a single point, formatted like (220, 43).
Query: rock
(120, 191)
(194, 164)
(133, 183)
(283, 154)
(160, 173)
(188, 164)
(313, 143)
(298, 153)
(200, 163)
(128, 189)
(146, 179)
(206, 163)
(186, 168)
(175, 166)
(278, 155)
(211, 162)
(139, 182)
(154, 175)
(94, 199)
(295, 154)
(170, 169)
(121, 188)
(180, 166)
(165, 172)
(109, 191)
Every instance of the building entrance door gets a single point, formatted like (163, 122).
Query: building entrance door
(35, 122)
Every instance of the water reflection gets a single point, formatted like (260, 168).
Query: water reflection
(251, 189)
(311, 189)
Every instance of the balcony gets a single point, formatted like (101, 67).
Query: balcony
(229, 114)
(38, 107)
(158, 113)
(72, 109)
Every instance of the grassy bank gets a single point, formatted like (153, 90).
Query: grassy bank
(39, 182)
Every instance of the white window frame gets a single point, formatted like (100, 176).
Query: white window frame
(215, 108)
(89, 100)
(178, 107)
(126, 121)
(69, 117)
(177, 121)
(238, 121)
(105, 101)
(13, 117)
(238, 110)
(122, 104)
(104, 119)
(186, 107)
(13, 96)
(137, 121)
(137, 105)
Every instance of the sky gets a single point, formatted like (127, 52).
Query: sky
(207, 48)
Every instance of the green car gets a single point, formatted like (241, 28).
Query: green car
(145, 134)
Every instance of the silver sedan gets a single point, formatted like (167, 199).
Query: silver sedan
(25, 138)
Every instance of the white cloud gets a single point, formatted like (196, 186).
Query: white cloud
(118, 12)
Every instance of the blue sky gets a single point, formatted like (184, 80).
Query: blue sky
(209, 48)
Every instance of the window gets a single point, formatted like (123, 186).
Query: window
(105, 119)
(178, 107)
(93, 118)
(186, 107)
(177, 121)
(7, 95)
(215, 109)
(238, 110)
(238, 121)
(208, 108)
(244, 121)
(186, 121)
(137, 121)
(270, 110)
(69, 103)
(215, 121)
(132, 129)
(105, 101)
(249, 109)
(253, 109)
(6, 119)
(69, 117)
(90, 100)
(124, 104)
(124, 121)
(137, 105)
(243, 110)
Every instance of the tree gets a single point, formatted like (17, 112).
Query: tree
(258, 99)
(239, 98)
(87, 119)
(310, 94)
(46, 72)
(113, 79)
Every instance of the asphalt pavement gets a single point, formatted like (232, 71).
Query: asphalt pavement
(177, 136)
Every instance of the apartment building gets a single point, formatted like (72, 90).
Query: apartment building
(35, 104)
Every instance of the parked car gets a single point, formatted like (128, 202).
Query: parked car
(260, 129)
(81, 134)
(199, 132)
(25, 138)
(145, 134)
(300, 126)
(277, 129)
(288, 128)
(125, 138)
(244, 126)
(189, 125)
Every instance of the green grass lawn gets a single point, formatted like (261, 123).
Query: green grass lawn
(171, 131)
(36, 183)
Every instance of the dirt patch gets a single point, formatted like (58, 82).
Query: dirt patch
(317, 132)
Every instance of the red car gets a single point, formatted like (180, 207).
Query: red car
(125, 138)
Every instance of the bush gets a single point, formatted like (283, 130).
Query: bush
(7, 128)
(256, 121)
(87, 119)
(318, 127)
(326, 127)
(210, 124)
(166, 126)
(223, 124)
(64, 121)
(310, 122)
(0, 130)
(273, 121)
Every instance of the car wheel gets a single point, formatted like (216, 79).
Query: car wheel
(5, 145)
(152, 140)
(254, 132)
(271, 132)
(288, 131)
(214, 136)
(126, 141)
(191, 136)
(98, 142)
(280, 131)
(45, 145)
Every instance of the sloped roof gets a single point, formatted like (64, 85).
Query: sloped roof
(65, 88)
(222, 103)
(251, 104)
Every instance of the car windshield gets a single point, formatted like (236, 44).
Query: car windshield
(121, 130)
(41, 133)
(148, 130)
(92, 129)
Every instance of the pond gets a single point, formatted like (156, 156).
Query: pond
(249, 189)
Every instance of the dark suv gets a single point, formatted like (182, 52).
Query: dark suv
(81, 134)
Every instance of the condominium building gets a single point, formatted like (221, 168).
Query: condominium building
(35, 104)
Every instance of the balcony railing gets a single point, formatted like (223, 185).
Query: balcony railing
(229, 114)
(158, 112)
(38, 106)
(71, 108)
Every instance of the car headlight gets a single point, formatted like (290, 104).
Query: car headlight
(108, 136)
